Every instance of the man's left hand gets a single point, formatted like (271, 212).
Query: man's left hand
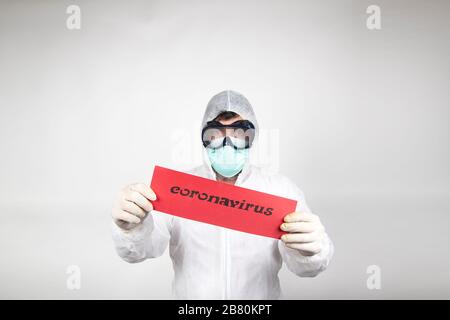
(305, 232)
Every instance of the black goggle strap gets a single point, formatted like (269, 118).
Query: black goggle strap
(240, 124)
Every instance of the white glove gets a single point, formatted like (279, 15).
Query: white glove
(305, 233)
(132, 205)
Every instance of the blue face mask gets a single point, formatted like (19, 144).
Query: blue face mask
(227, 161)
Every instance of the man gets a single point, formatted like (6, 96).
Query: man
(218, 263)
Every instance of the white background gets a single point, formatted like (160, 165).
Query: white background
(362, 118)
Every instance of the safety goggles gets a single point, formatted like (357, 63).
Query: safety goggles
(239, 134)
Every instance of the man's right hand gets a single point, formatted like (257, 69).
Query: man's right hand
(132, 205)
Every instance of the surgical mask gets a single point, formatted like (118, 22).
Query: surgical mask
(227, 160)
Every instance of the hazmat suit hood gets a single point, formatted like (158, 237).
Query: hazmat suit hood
(230, 100)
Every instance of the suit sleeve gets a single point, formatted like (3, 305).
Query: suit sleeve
(148, 240)
(305, 266)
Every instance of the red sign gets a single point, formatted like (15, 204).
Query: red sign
(192, 197)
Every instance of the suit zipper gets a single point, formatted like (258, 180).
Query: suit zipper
(228, 262)
(225, 264)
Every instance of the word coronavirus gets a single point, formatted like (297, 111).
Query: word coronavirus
(238, 204)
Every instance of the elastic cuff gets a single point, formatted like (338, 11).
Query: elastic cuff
(134, 234)
(319, 257)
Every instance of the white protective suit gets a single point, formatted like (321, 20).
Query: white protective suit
(211, 262)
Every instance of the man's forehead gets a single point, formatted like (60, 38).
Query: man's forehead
(230, 121)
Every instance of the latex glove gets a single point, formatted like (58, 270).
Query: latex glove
(305, 233)
(132, 205)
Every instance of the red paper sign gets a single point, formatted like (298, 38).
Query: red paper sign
(192, 197)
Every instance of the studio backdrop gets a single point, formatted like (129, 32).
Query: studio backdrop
(353, 102)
